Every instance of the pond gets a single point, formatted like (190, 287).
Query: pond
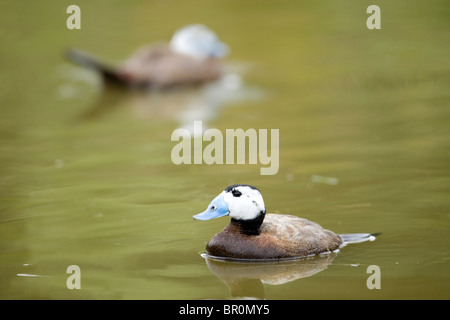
(87, 179)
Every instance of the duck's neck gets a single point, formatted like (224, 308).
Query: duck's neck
(248, 227)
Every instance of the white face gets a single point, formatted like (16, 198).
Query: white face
(244, 202)
(199, 42)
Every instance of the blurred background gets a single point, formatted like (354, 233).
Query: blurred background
(86, 176)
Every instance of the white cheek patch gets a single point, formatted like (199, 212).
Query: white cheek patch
(245, 207)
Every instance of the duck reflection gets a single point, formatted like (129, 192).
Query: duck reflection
(247, 279)
(182, 105)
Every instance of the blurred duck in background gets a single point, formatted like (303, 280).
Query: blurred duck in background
(192, 63)
(193, 56)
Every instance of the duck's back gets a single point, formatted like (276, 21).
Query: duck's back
(159, 66)
(300, 236)
(281, 236)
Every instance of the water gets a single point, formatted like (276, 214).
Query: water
(87, 179)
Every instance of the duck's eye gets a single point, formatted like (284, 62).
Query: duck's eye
(212, 208)
(236, 193)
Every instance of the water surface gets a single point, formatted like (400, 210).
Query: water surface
(86, 176)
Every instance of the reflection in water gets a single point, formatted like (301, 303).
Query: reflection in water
(182, 104)
(247, 279)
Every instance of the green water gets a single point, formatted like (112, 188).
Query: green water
(86, 176)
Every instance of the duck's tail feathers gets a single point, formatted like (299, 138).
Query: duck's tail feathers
(358, 237)
(88, 60)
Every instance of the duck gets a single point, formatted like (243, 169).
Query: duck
(254, 235)
(194, 55)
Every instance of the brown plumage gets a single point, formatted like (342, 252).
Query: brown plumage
(154, 66)
(192, 56)
(279, 237)
(161, 67)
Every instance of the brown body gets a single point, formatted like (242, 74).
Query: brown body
(161, 67)
(279, 237)
(154, 66)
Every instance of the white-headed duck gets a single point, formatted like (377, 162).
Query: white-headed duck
(253, 234)
(194, 55)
